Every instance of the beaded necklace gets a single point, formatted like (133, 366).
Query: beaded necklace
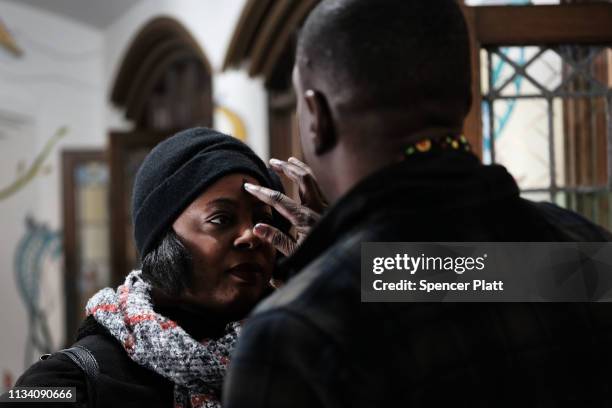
(427, 145)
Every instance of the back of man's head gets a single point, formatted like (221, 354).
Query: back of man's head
(372, 55)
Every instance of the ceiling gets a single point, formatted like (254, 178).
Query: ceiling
(96, 13)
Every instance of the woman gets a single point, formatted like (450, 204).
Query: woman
(164, 337)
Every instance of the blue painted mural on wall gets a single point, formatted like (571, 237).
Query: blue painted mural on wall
(39, 245)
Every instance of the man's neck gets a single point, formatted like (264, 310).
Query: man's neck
(354, 162)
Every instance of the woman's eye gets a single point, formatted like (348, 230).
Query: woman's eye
(220, 219)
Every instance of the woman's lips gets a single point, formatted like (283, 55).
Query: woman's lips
(247, 272)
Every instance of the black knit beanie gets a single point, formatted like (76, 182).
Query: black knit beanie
(179, 169)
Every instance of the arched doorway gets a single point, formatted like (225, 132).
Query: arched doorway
(164, 81)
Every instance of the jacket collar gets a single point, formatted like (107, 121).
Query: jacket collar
(430, 182)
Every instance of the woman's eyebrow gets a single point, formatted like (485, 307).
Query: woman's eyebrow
(222, 201)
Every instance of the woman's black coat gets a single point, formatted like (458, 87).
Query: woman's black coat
(121, 382)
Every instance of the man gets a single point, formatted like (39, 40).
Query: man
(382, 90)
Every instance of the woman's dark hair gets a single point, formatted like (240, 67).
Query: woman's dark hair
(168, 265)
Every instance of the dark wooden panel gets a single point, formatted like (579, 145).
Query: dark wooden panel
(245, 32)
(284, 137)
(268, 34)
(122, 146)
(284, 38)
(472, 126)
(559, 24)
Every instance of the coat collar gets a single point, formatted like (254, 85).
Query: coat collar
(426, 183)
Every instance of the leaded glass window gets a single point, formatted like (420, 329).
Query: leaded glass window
(547, 117)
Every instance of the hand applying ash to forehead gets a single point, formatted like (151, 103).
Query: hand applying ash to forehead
(303, 215)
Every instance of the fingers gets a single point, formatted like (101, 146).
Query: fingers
(279, 240)
(291, 170)
(297, 171)
(283, 204)
(302, 165)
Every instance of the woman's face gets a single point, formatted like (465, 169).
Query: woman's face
(231, 266)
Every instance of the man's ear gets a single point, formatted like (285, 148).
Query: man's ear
(322, 124)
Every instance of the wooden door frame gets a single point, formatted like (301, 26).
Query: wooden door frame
(71, 159)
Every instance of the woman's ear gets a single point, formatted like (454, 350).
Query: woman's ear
(322, 124)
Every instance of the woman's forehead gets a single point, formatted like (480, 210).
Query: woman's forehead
(231, 182)
(228, 189)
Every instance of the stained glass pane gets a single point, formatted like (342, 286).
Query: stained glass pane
(92, 184)
(546, 117)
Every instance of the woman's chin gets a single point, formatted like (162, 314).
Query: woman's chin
(234, 302)
(246, 299)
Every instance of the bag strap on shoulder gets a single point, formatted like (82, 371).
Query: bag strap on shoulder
(86, 361)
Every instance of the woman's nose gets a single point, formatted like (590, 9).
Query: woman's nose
(247, 239)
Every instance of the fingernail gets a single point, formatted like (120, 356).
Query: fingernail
(275, 162)
(249, 186)
(259, 229)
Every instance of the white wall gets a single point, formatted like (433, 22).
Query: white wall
(58, 81)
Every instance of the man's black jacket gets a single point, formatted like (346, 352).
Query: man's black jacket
(314, 344)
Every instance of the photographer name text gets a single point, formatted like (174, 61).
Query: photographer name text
(422, 263)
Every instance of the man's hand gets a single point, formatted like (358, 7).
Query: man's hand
(302, 215)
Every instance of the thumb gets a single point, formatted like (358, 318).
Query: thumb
(279, 240)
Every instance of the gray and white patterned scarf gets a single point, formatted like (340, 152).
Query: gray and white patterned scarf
(153, 341)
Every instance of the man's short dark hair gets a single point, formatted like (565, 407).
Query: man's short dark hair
(168, 266)
(388, 53)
